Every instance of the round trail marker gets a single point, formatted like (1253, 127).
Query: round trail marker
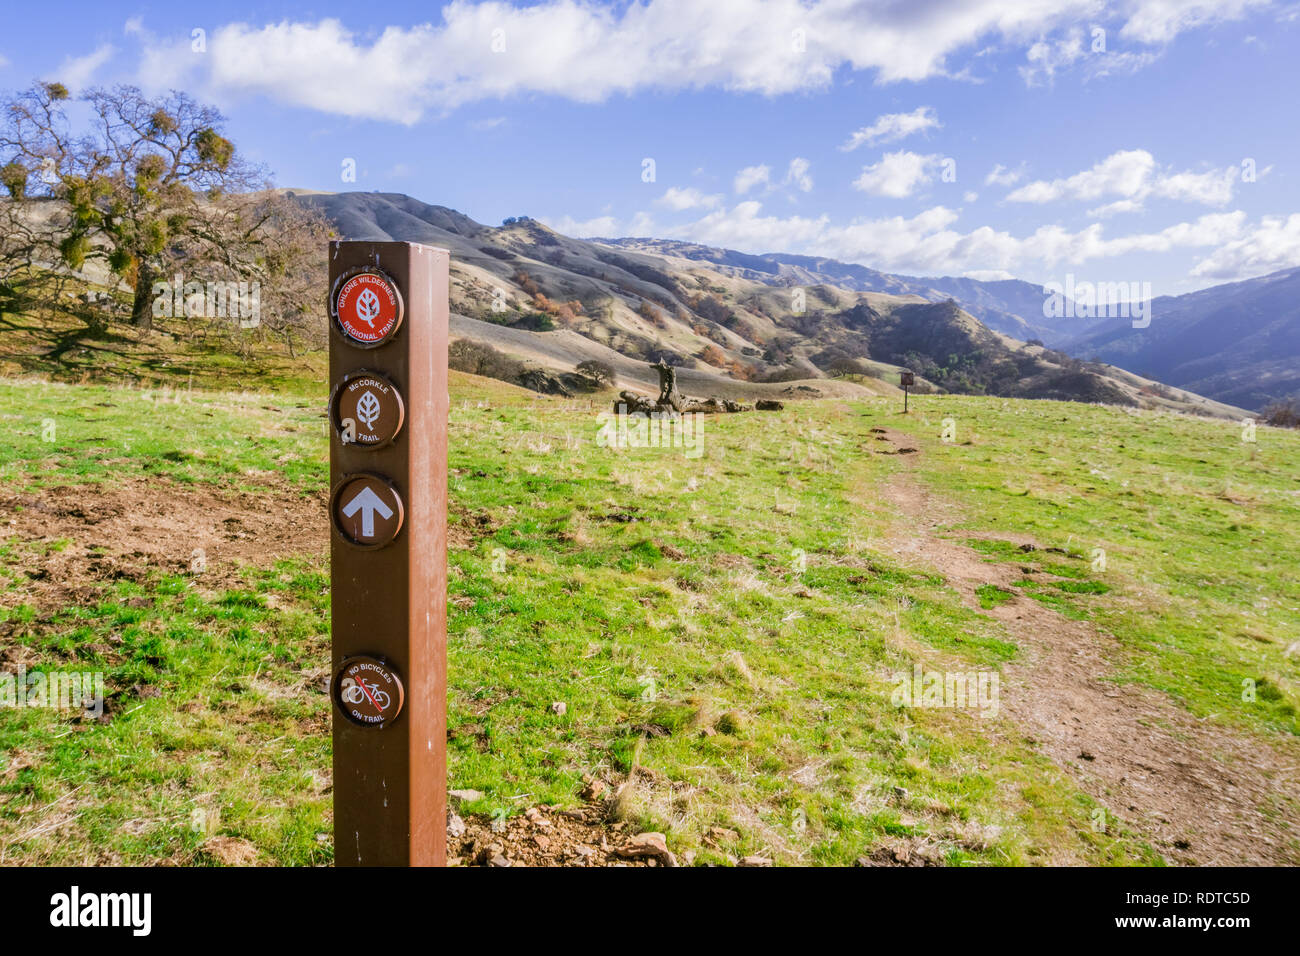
(367, 410)
(368, 692)
(367, 511)
(366, 306)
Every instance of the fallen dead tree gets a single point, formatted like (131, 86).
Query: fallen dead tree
(671, 400)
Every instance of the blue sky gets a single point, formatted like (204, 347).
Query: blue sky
(1141, 141)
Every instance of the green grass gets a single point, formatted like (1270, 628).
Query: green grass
(71, 434)
(1199, 529)
(206, 691)
(991, 596)
(723, 630)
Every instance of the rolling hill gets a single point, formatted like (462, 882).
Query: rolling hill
(1238, 343)
(737, 326)
(1010, 306)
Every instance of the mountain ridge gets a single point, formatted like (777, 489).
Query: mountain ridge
(735, 320)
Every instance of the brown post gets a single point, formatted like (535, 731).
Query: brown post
(388, 569)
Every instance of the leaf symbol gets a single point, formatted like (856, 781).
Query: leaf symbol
(368, 410)
(368, 307)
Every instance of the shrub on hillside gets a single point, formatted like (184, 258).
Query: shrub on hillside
(787, 374)
(526, 282)
(712, 355)
(479, 358)
(652, 315)
(600, 373)
(534, 322)
(706, 306)
(1283, 414)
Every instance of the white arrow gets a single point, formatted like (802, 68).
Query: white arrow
(367, 502)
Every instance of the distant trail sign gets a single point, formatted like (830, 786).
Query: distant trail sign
(388, 551)
(906, 379)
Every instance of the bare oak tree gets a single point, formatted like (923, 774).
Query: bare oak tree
(146, 189)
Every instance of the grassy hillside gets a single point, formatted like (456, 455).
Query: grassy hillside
(724, 630)
(725, 315)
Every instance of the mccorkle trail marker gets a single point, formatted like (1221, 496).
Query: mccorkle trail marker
(388, 551)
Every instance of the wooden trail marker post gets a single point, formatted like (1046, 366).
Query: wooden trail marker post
(906, 379)
(388, 551)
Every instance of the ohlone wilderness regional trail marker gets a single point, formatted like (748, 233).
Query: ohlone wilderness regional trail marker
(367, 308)
(388, 551)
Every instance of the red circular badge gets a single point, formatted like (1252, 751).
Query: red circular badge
(367, 307)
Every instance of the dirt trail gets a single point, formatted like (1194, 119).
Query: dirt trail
(1200, 793)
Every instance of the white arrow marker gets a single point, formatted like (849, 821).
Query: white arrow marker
(367, 502)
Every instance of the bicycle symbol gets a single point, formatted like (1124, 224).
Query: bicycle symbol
(354, 692)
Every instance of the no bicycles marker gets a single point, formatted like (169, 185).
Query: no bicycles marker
(388, 551)
(368, 693)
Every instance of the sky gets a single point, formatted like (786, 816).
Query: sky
(1137, 141)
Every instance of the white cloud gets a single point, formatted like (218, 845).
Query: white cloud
(797, 175)
(897, 174)
(1134, 176)
(605, 226)
(1122, 174)
(4, 61)
(1272, 245)
(751, 176)
(929, 242)
(1152, 23)
(1114, 208)
(999, 175)
(688, 197)
(487, 123)
(588, 52)
(1159, 21)
(970, 196)
(892, 127)
(1212, 188)
(1045, 58)
(75, 72)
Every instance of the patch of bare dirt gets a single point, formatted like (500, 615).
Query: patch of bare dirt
(1200, 793)
(139, 526)
(230, 851)
(466, 527)
(549, 836)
